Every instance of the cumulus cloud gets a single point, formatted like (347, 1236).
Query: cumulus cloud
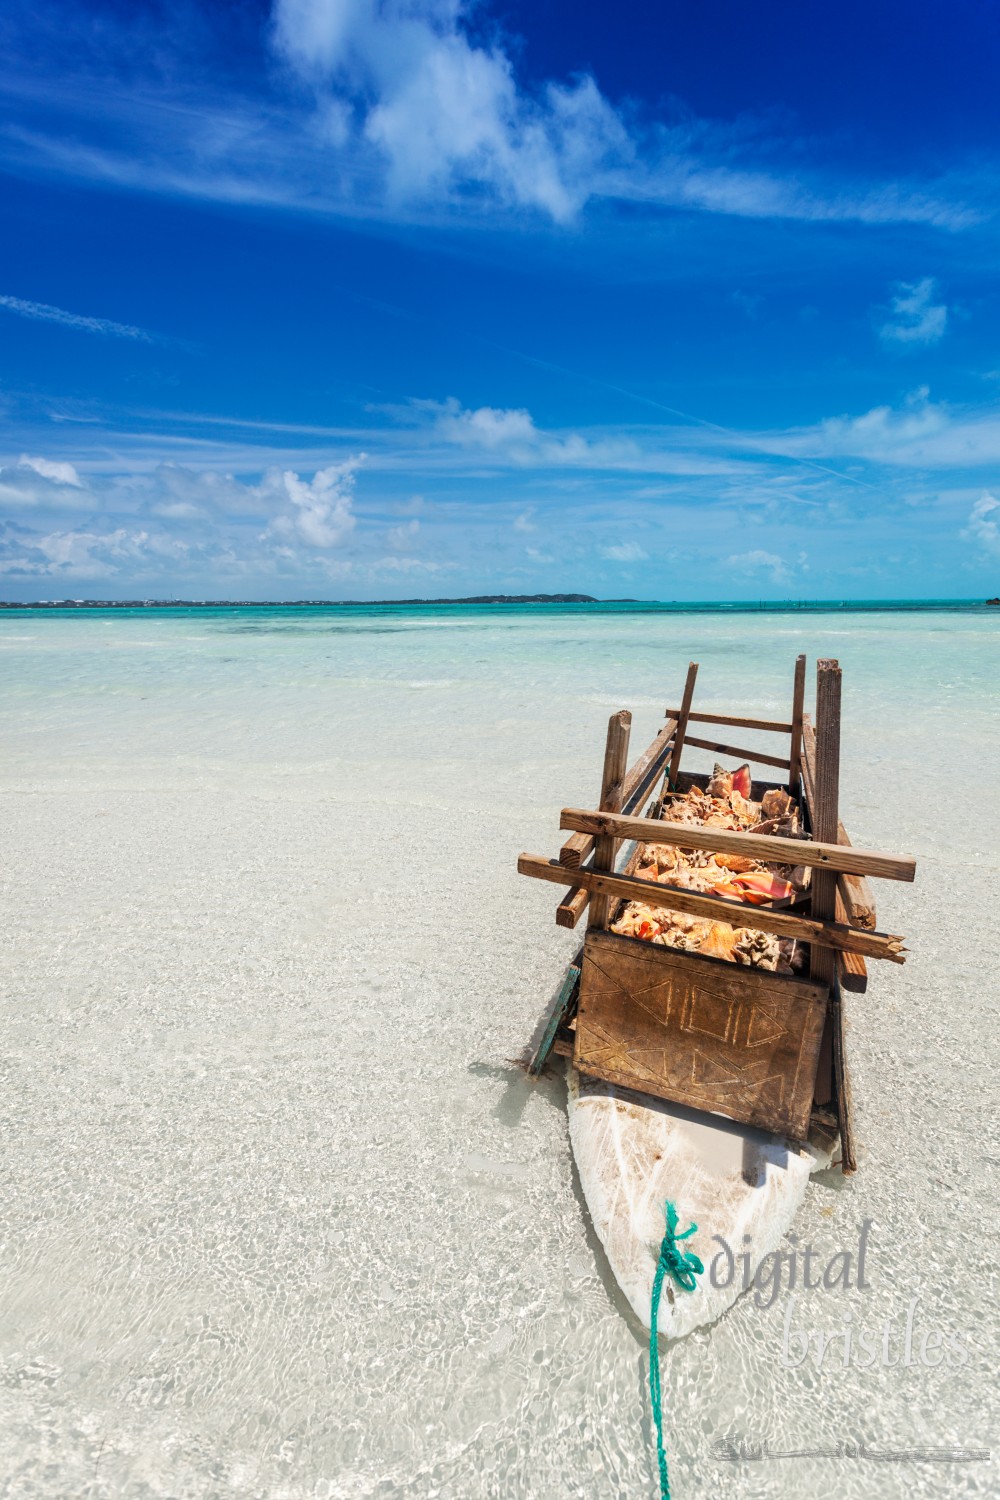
(57, 470)
(920, 433)
(41, 482)
(916, 319)
(443, 111)
(509, 435)
(321, 509)
(759, 561)
(984, 524)
(448, 121)
(79, 554)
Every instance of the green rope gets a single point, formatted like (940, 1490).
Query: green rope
(684, 1267)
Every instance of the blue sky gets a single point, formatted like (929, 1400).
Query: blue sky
(343, 299)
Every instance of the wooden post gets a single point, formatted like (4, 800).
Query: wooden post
(682, 724)
(825, 810)
(832, 1079)
(798, 699)
(615, 766)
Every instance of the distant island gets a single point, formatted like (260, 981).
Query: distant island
(303, 603)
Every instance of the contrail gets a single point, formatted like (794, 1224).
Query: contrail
(42, 312)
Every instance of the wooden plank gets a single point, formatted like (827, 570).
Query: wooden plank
(737, 1042)
(683, 714)
(554, 1016)
(798, 702)
(643, 776)
(759, 757)
(825, 813)
(615, 766)
(852, 970)
(773, 726)
(719, 909)
(572, 906)
(763, 846)
(857, 895)
(853, 973)
(842, 1085)
(635, 789)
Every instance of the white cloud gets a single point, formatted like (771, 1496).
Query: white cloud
(916, 318)
(525, 521)
(57, 470)
(984, 523)
(41, 483)
(759, 561)
(441, 111)
(918, 434)
(624, 552)
(42, 312)
(510, 436)
(80, 554)
(321, 513)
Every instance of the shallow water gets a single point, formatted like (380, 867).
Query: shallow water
(279, 1217)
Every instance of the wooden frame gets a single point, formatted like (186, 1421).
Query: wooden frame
(839, 928)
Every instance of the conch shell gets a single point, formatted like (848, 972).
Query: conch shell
(776, 803)
(741, 780)
(738, 862)
(720, 942)
(721, 784)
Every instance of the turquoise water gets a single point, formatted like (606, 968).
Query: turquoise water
(280, 1218)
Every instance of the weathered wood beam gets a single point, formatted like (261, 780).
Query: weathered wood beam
(857, 894)
(635, 790)
(842, 1085)
(760, 757)
(828, 935)
(825, 813)
(683, 714)
(765, 846)
(572, 906)
(615, 766)
(773, 726)
(798, 702)
(553, 1017)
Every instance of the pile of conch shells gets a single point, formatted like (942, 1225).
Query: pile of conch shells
(725, 803)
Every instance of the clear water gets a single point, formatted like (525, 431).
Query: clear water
(279, 1217)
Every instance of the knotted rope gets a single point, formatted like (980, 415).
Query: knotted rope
(684, 1266)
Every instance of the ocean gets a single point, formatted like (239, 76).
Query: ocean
(281, 1217)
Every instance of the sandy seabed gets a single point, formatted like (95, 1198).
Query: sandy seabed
(280, 1219)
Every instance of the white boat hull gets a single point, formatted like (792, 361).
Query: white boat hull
(739, 1184)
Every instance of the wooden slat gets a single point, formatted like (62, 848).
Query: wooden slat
(553, 1017)
(857, 895)
(851, 968)
(798, 702)
(576, 850)
(763, 846)
(615, 766)
(683, 714)
(759, 757)
(855, 892)
(842, 1085)
(853, 973)
(642, 777)
(773, 726)
(635, 790)
(572, 906)
(825, 814)
(718, 909)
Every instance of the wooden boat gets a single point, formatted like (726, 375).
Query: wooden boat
(704, 1017)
